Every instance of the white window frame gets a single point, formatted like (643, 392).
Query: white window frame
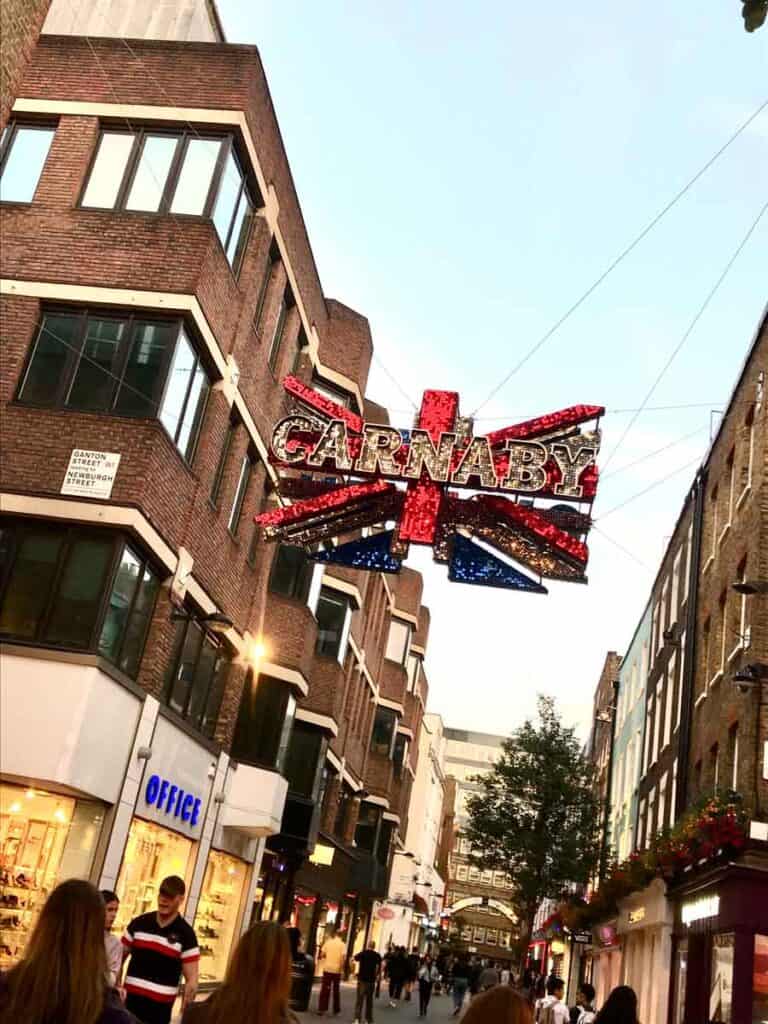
(669, 694)
(688, 557)
(735, 770)
(673, 794)
(731, 470)
(675, 594)
(657, 722)
(313, 595)
(681, 675)
(461, 872)
(394, 623)
(662, 808)
(751, 415)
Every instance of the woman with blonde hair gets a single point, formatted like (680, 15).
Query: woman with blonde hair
(257, 983)
(62, 978)
(499, 1005)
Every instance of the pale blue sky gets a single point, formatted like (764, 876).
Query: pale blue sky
(466, 171)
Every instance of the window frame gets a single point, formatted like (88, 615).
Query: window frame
(247, 466)
(132, 319)
(276, 342)
(7, 139)
(340, 598)
(172, 673)
(71, 533)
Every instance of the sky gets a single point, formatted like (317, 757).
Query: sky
(466, 172)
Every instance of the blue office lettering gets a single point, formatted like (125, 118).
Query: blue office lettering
(153, 788)
(186, 807)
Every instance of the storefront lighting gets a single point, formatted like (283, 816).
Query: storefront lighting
(15, 807)
(59, 815)
(30, 794)
(699, 910)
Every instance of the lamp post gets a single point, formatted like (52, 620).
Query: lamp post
(608, 717)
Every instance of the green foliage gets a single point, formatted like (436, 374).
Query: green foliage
(536, 814)
(754, 13)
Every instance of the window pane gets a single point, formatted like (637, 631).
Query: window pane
(94, 383)
(24, 164)
(277, 337)
(291, 572)
(383, 730)
(152, 173)
(47, 366)
(143, 379)
(331, 614)
(193, 413)
(138, 624)
(242, 487)
(30, 583)
(240, 228)
(201, 685)
(215, 696)
(367, 823)
(397, 642)
(229, 191)
(190, 637)
(108, 170)
(179, 377)
(260, 721)
(195, 178)
(301, 762)
(123, 589)
(78, 596)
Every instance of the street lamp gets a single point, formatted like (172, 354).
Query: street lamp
(217, 622)
(752, 677)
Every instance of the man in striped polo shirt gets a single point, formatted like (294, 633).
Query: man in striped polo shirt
(162, 946)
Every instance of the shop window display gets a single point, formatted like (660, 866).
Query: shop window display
(721, 984)
(151, 854)
(760, 981)
(679, 979)
(217, 913)
(44, 839)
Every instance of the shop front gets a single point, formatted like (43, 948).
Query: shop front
(322, 898)
(720, 953)
(645, 928)
(606, 959)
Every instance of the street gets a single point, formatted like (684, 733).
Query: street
(440, 1008)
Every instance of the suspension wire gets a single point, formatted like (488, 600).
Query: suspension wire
(627, 551)
(656, 483)
(658, 451)
(394, 381)
(621, 256)
(689, 330)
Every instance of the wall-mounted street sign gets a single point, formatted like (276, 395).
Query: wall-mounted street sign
(90, 474)
(412, 478)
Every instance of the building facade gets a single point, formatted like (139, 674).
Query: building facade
(179, 697)
(478, 915)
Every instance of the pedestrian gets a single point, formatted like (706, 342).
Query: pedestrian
(462, 971)
(551, 1009)
(505, 976)
(428, 975)
(62, 977)
(474, 977)
(398, 970)
(333, 957)
(412, 975)
(584, 1010)
(257, 985)
(489, 977)
(499, 1005)
(368, 971)
(112, 944)
(302, 972)
(160, 947)
(619, 1008)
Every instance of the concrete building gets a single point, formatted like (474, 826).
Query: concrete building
(177, 695)
(478, 913)
(411, 915)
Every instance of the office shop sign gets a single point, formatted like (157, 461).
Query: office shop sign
(178, 779)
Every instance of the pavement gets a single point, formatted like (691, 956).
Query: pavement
(440, 1008)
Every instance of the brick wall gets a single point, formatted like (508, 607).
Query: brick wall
(20, 24)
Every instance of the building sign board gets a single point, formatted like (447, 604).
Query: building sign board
(90, 474)
(637, 915)
(700, 909)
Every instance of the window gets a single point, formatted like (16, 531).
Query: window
(71, 587)
(747, 449)
(474, 874)
(641, 825)
(669, 688)
(264, 722)
(655, 630)
(737, 630)
(398, 641)
(121, 365)
(195, 682)
(664, 613)
(334, 394)
(714, 766)
(305, 759)
(400, 753)
(243, 479)
(333, 615)
(156, 171)
(726, 495)
(277, 336)
(221, 466)
(733, 755)
(706, 650)
(688, 559)
(651, 811)
(382, 736)
(648, 729)
(675, 595)
(367, 827)
(461, 873)
(414, 671)
(661, 817)
(719, 640)
(487, 877)
(712, 526)
(273, 258)
(673, 795)
(291, 572)
(697, 777)
(23, 151)
(656, 723)
(681, 684)
(384, 842)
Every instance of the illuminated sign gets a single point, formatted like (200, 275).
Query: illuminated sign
(636, 916)
(547, 457)
(172, 800)
(700, 909)
(322, 855)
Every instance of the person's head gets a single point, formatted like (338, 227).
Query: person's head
(111, 907)
(257, 984)
(499, 1005)
(620, 1007)
(586, 994)
(371, 944)
(555, 987)
(415, 950)
(171, 896)
(63, 974)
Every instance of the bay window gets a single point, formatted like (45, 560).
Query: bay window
(122, 365)
(195, 681)
(383, 733)
(76, 588)
(333, 616)
(264, 722)
(156, 170)
(23, 152)
(291, 572)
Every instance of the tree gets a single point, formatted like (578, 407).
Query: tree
(536, 815)
(754, 13)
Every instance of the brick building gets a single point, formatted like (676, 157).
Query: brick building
(601, 739)
(175, 691)
(478, 913)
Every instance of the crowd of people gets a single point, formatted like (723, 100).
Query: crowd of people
(75, 971)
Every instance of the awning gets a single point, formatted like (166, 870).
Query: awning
(420, 904)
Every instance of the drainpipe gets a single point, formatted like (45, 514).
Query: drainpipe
(684, 743)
